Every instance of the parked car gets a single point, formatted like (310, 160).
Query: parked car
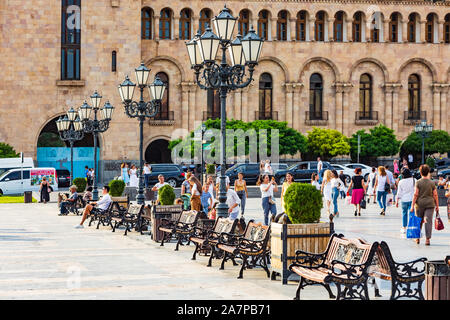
(301, 171)
(63, 178)
(15, 163)
(17, 181)
(251, 171)
(442, 164)
(366, 170)
(349, 173)
(173, 173)
(444, 173)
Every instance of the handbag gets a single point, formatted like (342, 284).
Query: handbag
(363, 203)
(387, 187)
(271, 201)
(438, 224)
(413, 229)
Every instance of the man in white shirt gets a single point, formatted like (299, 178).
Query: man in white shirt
(319, 169)
(159, 185)
(147, 172)
(100, 206)
(233, 203)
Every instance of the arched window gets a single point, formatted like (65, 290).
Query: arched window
(315, 97)
(265, 97)
(320, 26)
(263, 24)
(213, 104)
(447, 29)
(205, 20)
(365, 97)
(393, 27)
(356, 26)
(185, 24)
(146, 23)
(300, 25)
(413, 97)
(165, 24)
(282, 25)
(412, 27)
(429, 28)
(70, 44)
(339, 26)
(163, 113)
(374, 30)
(244, 22)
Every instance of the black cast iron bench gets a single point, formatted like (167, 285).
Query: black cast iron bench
(180, 229)
(129, 219)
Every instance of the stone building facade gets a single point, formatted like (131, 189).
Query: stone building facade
(341, 64)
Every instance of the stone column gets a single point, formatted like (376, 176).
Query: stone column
(339, 114)
(297, 110)
(238, 104)
(156, 27)
(192, 106)
(230, 105)
(185, 105)
(346, 109)
(244, 109)
(293, 28)
(404, 26)
(254, 23)
(273, 29)
(312, 28)
(387, 117)
(288, 107)
(367, 32)
(395, 107)
(330, 29)
(349, 30)
(385, 31)
(435, 118)
(445, 108)
(440, 25)
(422, 30)
(176, 28)
(195, 25)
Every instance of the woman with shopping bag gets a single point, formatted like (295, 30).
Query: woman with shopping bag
(358, 188)
(425, 202)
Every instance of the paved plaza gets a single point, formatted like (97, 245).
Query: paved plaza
(43, 257)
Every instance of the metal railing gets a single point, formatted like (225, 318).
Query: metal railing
(316, 118)
(366, 115)
(414, 117)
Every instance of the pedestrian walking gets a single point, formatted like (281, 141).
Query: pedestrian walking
(326, 189)
(343, 190)
(267, 188)
(371, 184)
(405, 193)
(382, 188)
(206, 200)
(396, 167)
(186, 186)
(320, 170)
(147, 172)
(425, 201)
(134, 181)
(210, 184)
(287, 182)
(196, 192)
(394, 186)
(233, 203)
(240, 186)
(358, 188)
(315, 181)
(45, 190)
(336, 185)
(86, 175)
(124, 173)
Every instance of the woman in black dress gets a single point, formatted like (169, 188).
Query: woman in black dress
(45, 193)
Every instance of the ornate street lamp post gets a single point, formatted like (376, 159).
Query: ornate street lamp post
(95, 126)
(141, 110)
(70, 129)
(424, 130)
(244, 54)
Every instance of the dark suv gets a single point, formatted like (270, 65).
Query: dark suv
(63, 178)
(173, 173)
(251, 171)
(301, 171)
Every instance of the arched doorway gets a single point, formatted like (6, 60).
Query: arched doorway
(158, 152)
(54, 152)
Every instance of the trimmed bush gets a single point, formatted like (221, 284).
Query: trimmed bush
(166, 195)
(116, 188)
(303, 203)
(80, 183)
(210, 168)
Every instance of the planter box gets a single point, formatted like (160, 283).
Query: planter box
(288, 238)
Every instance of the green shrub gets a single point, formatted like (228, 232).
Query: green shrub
(210, 168)
(431, 162)
(80, 183)
(116, 188)
(166, 195)
(303, 203)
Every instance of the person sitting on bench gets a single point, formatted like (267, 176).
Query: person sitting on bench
(95, 207)
(69, 202)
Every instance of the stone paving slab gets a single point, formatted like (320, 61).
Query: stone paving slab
(41, 256)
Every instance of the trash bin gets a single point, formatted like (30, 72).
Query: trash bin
(437, 279)
(28, 196)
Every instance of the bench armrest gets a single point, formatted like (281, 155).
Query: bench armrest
(350, 271)
(228, 238)
(199, 232)
(308, 259)
(412, 268)
(167, 223)
(251, 245)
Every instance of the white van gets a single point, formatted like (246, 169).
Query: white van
(15, 163)
(17, 181)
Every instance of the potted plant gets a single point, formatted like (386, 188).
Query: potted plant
(303, 203)
(80, 183)
(166, 195)
(116, 188)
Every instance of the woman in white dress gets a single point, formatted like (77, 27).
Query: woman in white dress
(371, 184)
(134, 181)
(326, 189)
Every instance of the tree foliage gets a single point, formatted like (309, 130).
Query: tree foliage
(7, 151)
(50, 139)
(303, 203)
(327, 143)
(437, 142)
(380, 141)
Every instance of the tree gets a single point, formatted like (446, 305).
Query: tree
(7, 151)
(50, 139)
(380, 141)
(437, 142)
(327, 143)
